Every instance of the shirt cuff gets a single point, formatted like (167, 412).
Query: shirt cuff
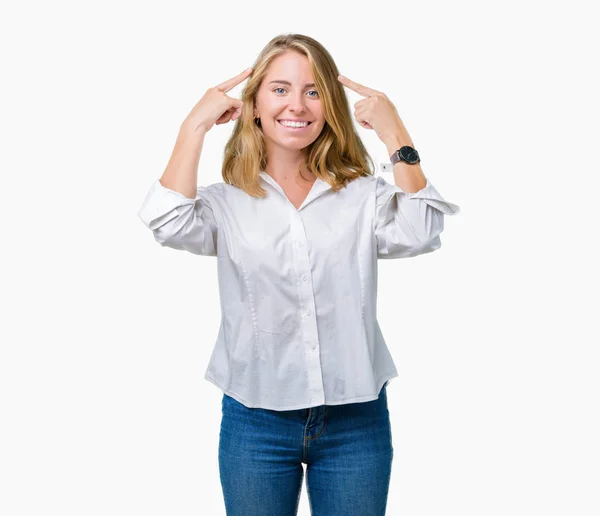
(431, 196)
(158, 206)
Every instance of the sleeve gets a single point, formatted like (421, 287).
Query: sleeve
(180, 222)
(409, 224)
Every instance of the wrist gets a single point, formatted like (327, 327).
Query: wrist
(397, 137)
(190, 135)
(394, 143)
(192, 129)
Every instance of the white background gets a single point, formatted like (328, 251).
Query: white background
(105, 335)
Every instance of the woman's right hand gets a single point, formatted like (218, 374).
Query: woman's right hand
(215, 107)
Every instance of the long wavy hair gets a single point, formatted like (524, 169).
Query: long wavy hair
(337, 156)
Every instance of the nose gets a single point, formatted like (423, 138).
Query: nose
(297, 102)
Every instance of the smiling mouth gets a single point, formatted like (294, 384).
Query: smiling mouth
(294, 127)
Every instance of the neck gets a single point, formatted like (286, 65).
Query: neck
(288, 165)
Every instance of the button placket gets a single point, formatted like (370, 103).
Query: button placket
(307, 314)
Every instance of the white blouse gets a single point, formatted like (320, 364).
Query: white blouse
(298, 287)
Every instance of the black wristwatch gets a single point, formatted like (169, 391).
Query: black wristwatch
(407, 154)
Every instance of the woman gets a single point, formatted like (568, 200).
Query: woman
(298, 226)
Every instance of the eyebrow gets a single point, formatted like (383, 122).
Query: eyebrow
(310, 85)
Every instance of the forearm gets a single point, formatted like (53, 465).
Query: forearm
(181, 173)
(408, 177)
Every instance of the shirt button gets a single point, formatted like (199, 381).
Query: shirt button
(307, 312)
(304, 277)
(299, 244)
(313, 345)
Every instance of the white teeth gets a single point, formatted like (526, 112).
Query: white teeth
(293, 124)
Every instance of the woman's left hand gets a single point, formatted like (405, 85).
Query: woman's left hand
(375, 111)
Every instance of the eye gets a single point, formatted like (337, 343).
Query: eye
(311, 91)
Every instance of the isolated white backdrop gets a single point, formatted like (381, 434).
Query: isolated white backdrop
(105, 335)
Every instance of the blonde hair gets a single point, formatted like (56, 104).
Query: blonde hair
(337, 156)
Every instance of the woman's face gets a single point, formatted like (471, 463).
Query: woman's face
(288, 93)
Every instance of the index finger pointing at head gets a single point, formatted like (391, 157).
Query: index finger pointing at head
(234, 81)
(358, 88)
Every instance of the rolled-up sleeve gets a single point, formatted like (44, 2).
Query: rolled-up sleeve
(409, 224)
(180, 222)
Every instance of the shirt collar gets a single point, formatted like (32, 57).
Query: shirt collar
(318, 188)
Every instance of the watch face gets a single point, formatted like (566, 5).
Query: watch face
(409, 154)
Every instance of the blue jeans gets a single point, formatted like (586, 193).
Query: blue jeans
(347, 450)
